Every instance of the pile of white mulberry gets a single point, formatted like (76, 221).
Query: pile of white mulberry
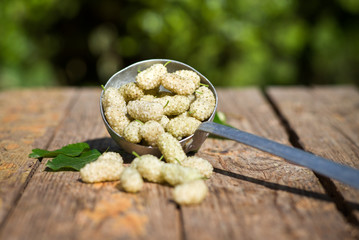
(143, 114)
(140, 112)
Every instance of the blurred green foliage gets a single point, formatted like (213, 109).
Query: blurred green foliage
(232, 42)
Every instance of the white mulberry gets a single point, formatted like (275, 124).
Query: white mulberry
(175, 174)
(182, 126)
(117, 119)
(204, 105)
(178, 84)
(150, 78)
(135, 162)
(131, 180)
(110, 155)
(202, 165)
(150, 168)
(204, 93)
(164, 120)
(132, 132)
(144, 110)
(190, 193)
(189, 74)
(201, 110)
(171, 148)
(106, 168)
(175, 105)
(113, 98)
(131, 91)
(150, 131)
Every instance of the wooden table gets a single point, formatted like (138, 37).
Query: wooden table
(253, 195)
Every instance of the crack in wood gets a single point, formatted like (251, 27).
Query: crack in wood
(353, 143)
(328, 185)
(342, 205)
(181, 222)
(37, 164)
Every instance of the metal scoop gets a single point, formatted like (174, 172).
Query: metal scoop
(318, 164)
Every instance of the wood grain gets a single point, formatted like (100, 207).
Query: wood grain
(255, 195)
(57, 205)
(28, 119)
(326, 122)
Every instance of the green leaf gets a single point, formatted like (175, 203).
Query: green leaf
(75, 163)
(220, 118)
(69, 150)
(38, 153)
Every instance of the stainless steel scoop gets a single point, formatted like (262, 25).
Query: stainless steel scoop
(318, 164)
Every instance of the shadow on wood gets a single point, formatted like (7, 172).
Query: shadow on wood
(107, 144)
(276, 186)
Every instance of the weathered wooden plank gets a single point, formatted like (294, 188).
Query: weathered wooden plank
(57, 205)
(26, 116)
(254, 195)
(326, 122)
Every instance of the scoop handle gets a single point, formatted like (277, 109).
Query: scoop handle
(316, 163)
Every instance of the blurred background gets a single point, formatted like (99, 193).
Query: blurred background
(232, 42)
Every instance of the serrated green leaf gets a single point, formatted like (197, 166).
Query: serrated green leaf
(72, 150)
(76, 163)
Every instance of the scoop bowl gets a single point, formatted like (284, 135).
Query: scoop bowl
(127, 75)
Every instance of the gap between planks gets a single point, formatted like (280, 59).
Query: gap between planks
(179, 209)
(66, 130)
(328, 185)
(251, 191)
(68, 108)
